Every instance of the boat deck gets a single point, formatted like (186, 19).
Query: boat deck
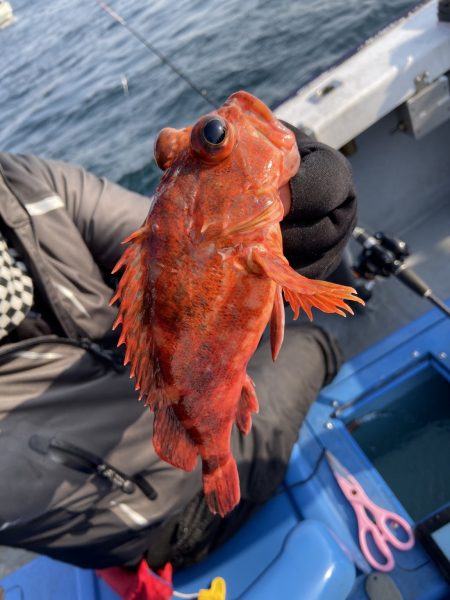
(403, 189)
(286, 548)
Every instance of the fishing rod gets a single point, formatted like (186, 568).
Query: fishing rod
(384, 255)
(119, 19)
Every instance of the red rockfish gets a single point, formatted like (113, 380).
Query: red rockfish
(203, 277)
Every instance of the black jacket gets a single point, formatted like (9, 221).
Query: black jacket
(66, 404)
(80, 479)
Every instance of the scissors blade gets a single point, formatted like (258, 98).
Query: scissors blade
(337, 467)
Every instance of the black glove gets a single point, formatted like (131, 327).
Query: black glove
(323, 211)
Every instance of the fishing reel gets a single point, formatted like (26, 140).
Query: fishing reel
(383, 256)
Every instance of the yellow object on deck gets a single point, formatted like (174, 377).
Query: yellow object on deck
(217, 591)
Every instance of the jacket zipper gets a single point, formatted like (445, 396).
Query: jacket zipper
(68, 454)
(81, 460)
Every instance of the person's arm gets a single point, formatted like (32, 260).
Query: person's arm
(320, 198)
(322, 212)
(104, 212)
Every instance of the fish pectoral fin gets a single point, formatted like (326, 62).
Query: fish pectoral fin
(277, 323)
(171, 441)
(248, 403)
(271, 214)
(301, 292)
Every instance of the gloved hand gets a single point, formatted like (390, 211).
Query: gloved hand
(322, 213)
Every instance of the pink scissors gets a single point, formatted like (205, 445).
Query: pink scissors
(378, 527)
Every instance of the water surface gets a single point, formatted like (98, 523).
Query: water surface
(63, 63)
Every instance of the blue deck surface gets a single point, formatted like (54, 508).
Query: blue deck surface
(303, 543)
(246, 553)
(46, 579)
(401, 355)
(276, 555)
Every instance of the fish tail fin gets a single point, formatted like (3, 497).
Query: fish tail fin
(171, 441)
(248, 403)
(303, 293)
(221, 486)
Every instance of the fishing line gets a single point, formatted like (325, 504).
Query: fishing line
(308, 478)
(119, 19)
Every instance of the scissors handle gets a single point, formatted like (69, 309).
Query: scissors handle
(377, 523)
(381, 530)
(374, 522)
(383, 518)
(368, 529)
(386, 521)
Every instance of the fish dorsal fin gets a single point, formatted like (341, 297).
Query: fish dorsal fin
(135, 309)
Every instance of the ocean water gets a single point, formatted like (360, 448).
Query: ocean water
(76, 86)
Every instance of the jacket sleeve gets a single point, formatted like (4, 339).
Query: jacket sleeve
(104, 212)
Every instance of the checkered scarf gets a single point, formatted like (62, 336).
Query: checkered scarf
(16, 289)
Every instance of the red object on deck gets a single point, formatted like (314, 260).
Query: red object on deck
(142, 584)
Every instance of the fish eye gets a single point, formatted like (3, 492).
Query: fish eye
(212, 138)
(214, 132)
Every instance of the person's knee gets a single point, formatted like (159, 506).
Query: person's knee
(313, 352)
(329, 346)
